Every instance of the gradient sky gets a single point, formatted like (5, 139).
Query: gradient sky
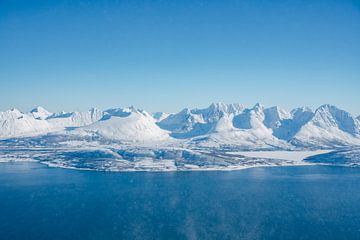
(166, 55)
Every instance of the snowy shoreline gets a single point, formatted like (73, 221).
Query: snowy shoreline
(287, 158)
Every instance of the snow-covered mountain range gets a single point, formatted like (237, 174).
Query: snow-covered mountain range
(219, 125)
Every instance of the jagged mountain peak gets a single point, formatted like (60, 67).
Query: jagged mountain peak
(300, 110)
(282, 113)
(217, 110)
(251, 118)
(12, 113)
(40, 113)
(224, 106)
(217, 105)
(194, 122)
(258, 107)
(274, 115)
(330, 116)
(329, 126)
(223, 123)
(327, 108)
(232, 108)
(38, 109)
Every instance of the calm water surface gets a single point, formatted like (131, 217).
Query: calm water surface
(317, 202)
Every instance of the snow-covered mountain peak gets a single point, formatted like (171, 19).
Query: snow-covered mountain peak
(258, 107)
(219, 123)
(274, 116)
(300, 110)
(225, 123)
(327, 106)
(329, 126)
(331, 116)
(119, 112)
(40, 113)
(215, 108)
(194, 122)
(250, 118)
(124, 112)
(10, 115)
(279, 111)
(137, 126)
(15, 123)
(218, 105)
(181, 122)
(64, 119)
(290, 124)
(38, 109)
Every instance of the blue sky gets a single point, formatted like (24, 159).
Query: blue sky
(165, 55)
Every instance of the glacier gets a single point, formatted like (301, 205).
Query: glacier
(212, 138)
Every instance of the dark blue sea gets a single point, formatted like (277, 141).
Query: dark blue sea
(311, 202)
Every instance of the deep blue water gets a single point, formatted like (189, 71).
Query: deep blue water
(317, 202)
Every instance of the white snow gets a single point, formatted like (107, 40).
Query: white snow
(75, 119)
(215, 126)
(40, 113)
(330, 126)
(14, 123)
(137, 126)
(284, 155)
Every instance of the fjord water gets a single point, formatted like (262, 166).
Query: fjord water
(312, 202)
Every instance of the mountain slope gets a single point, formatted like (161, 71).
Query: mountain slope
(75, 119)
(190, 123)
(127, 125)
(245, 130)
(329, 126)
(274, 116)
(288, 127)
(40, 113)
(215, 126)
(14, 123)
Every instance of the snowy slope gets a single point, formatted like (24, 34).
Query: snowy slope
(274, 116)
(329, 126)
(246, 130)
(215, 126)
(190, 123)
(15, 123)
(182, 122)
(288, 127)
(252, 118)
(40, 113)
(128, 124)
(74, 119)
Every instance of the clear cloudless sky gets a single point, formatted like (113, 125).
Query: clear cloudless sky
(163, 55)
